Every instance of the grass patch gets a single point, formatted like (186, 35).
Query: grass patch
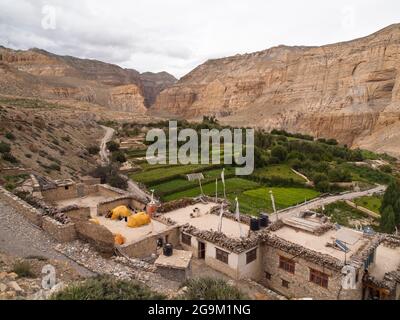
(234, 186)
(256, 200)
(342, 213)
(211, 289)
(372, 203)
(107, 288)
(281, 171)
(23, 269)
(151, 177)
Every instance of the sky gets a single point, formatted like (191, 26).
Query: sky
(177, 35)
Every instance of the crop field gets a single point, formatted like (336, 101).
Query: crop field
(257, 200)
(281, 171)
(234, 186)
(372, 203)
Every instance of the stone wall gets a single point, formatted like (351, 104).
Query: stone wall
(30, 213)
(105, 206)
(60, 193)
(60, 232)
(99, 236)
(76, 213)
(174, 274)
(300, 285)
(146, 246)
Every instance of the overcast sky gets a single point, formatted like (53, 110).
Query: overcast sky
(177, 35)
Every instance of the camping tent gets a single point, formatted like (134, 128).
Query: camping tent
(138, 220)
(120, 212)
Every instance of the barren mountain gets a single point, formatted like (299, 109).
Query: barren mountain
(349, 91)
(37, 73)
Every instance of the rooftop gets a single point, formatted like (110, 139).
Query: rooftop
(206, 221)
(179, 260)
(353, 240)
(386, 260)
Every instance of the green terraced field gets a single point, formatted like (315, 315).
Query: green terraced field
(281, 171)
(150, 177)
(372, 203)
(257, 200)
(234, 186)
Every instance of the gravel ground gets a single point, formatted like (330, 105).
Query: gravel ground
(20, 238)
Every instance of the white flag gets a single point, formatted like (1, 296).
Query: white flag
(238, 217)
(220, 218)
(223, 181)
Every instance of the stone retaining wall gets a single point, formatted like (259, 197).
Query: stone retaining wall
(145, 247)
(97, 235)
(61, 232)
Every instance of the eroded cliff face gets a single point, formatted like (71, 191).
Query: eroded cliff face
(37, 73)
(349, 91)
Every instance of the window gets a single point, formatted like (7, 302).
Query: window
(222, 256)
(66, 187)
(319, 278)
(251, 256)
(286, 264)
(268, 275)
(186, 239)
(285, 283)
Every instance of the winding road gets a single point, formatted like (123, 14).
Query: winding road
(105, 159)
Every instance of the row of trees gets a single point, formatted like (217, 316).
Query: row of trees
(390, 208)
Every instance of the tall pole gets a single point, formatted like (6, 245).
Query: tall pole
(223, 181)
(273, 204)
(221, 213)
(238, 217)
(201, 188)
(216, 190)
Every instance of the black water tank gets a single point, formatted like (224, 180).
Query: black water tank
(254, 224)
(168, 250)
(264, 220)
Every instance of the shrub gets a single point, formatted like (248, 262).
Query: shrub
(10, 136)
(112, 146)
(93, 150)
(118, 156)
(107, 288)
(23, 269)
(4, 147)
(279, 152)
(211, 289)
(117, 181)
(9, 157)
(55, 166)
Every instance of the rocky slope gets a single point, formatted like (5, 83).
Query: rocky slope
(349, 91)
(37, 73)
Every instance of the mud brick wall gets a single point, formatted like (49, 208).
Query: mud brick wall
(299, 282)
(146, 246)
(178, 275)
(60, 232)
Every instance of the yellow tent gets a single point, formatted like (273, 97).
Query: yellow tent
(120, 212)
(138, 220)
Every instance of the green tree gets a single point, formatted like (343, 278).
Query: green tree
(112, 146)
(279, 152)
(388, 222)
(392, 199)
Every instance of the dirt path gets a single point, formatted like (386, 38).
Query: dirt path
(327, 200)
(20, 238)
(132, 186)
(103, 145)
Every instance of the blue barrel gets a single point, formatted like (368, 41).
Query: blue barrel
(254, 224)
(264, 220)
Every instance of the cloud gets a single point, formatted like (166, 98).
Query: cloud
(176, 35)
